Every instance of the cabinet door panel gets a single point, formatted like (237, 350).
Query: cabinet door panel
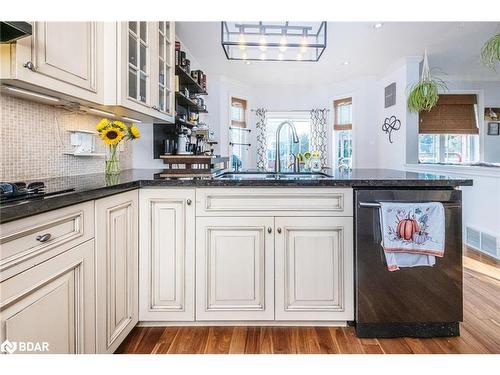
(63, 54)
(167, 255)
(117, 273)
(314, 268)
(52, 303)
(235, 260)
(64, 57)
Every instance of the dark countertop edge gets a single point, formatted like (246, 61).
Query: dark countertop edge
(35, 207)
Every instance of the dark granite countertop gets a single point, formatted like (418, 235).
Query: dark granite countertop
(94, 186)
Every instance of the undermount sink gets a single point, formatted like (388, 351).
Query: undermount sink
(271, 176)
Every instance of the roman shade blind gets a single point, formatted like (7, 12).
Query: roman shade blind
(453, 114)
(342, 114)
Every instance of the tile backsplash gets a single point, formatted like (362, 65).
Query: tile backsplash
(34, 136)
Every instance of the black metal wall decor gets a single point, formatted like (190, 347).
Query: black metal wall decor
(391, 124)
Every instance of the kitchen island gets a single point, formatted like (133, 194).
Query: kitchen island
(232, 249)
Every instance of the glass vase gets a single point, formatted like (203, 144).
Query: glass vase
(112, 162)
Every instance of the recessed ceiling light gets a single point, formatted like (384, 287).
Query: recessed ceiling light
(345, 63)
(247, 62)
(378, 25)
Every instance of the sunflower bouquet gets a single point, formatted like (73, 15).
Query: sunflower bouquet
(112, 133)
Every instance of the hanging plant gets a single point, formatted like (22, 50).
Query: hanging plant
(425, 93)
(490, 53)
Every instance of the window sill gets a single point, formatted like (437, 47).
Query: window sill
(463, 170)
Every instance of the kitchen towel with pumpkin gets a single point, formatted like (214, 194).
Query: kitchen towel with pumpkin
(413, 234)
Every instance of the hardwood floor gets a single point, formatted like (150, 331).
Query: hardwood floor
(480, 331)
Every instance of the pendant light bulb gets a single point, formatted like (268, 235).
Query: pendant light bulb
(263, 43)
(303, 45)
(283, 44)
(242, 42)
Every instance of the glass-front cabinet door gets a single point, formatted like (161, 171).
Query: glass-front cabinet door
(147, 50)
(166, 41)
(139, 51)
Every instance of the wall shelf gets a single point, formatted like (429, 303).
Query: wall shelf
(186, 80)
(82, 131)
(183, 122)
(184, 101)
(85, 154)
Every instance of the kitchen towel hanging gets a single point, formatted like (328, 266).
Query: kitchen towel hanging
(318, 133)
(413, 234)
(261, 139)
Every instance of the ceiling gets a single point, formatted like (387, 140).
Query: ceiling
(354, 50)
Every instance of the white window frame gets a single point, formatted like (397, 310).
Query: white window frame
(291, 115)
(332, 150)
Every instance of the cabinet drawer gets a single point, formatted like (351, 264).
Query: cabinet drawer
(23, 245)
(274, 202)
(53, 303)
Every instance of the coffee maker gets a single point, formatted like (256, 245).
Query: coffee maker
(183, 141)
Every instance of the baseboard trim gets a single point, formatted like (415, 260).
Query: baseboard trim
(270, 323)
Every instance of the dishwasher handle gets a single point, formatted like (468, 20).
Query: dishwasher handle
(448, 204)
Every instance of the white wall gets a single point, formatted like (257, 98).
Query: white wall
(404, 148)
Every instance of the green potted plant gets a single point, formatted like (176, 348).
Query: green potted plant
(424, 94)
(490, 53)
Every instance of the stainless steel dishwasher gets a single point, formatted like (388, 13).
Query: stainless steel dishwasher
(417, 301)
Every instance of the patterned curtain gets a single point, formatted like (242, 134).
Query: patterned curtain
(318, 133)
(261, 139)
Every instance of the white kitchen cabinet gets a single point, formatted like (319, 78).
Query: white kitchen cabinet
(117, 260)
(52, 302)
(235, 268)
(144, 73)
(166, 254)
(314, 268)
(166, 67)
(64, 57)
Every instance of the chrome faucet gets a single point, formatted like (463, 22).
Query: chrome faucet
(277, 161)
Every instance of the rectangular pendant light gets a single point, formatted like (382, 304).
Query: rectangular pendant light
(273, 41)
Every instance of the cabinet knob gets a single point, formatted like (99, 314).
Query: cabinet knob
(269, 229)
(29, 65)
(189, 201)
(279, 230)
(43, 238)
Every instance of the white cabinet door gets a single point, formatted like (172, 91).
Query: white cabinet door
(165, 66)
(235, 268)
(138, 69)
(64, 57)
(116, 268)
(166, 254)
(52, 303)
(314, 268)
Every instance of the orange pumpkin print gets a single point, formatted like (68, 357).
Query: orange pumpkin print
(406, 228)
